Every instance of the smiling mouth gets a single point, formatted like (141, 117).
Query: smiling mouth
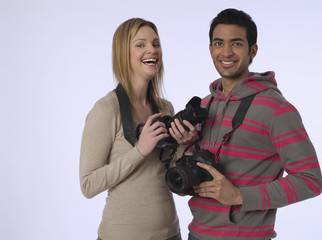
(227, 62)
(150, 61)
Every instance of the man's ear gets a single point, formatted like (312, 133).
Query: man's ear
(253, 51)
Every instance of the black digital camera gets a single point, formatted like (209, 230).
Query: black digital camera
(193, 113)
(186, 173)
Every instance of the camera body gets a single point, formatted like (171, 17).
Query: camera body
(193, 113)
(186, 173)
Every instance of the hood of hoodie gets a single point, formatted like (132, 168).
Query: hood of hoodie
(256, 83)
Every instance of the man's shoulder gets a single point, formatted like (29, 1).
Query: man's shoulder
(205, 100)
(272, 94)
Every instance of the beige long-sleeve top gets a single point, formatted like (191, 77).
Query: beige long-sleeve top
(139, 204)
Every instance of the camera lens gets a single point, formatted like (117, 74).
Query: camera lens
(179, 179)
(176, 180)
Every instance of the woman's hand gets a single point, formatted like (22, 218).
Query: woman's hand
(181, 135)
(151, 134)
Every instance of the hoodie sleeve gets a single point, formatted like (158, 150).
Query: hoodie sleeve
(299, 160)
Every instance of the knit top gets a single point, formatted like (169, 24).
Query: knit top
(139, 204)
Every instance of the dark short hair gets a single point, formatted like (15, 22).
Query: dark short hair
(237, 17)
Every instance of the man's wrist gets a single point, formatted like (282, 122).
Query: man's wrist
(239, 197)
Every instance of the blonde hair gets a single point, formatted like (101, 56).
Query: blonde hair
(121, 59)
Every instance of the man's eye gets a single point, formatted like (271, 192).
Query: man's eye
(237, 44)
(217, 44)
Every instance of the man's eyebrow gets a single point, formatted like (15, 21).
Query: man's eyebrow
(217, 39)
(231, 40)
(237, 39)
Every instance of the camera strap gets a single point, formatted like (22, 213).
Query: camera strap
(126, 113)
(236, 122)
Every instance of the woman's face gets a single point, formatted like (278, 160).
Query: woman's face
(145, 54)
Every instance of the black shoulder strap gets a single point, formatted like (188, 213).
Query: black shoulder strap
(240, 113)
(237, 119)
(236, 122)
(242, 110)
(126, 114)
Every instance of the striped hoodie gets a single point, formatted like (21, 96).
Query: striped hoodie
(270, 157)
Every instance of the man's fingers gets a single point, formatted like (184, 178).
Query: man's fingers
(214, 172)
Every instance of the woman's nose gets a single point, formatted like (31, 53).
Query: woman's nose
(152, 49)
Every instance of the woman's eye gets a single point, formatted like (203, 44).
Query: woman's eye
(140, 45)
(156, 45)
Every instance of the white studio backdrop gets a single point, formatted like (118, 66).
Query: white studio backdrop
(55, 63)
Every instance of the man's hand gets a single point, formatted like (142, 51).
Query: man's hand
(220, 188)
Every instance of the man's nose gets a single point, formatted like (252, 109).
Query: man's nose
(227, 50)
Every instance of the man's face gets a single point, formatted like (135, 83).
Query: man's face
(230, 51)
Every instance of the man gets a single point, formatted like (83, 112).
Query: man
(241, 200)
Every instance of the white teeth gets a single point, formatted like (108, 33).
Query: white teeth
(224, 62)
(149, 61)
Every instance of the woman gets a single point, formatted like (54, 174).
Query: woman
(139, 204)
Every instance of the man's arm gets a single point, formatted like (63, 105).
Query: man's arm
(298, 159)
